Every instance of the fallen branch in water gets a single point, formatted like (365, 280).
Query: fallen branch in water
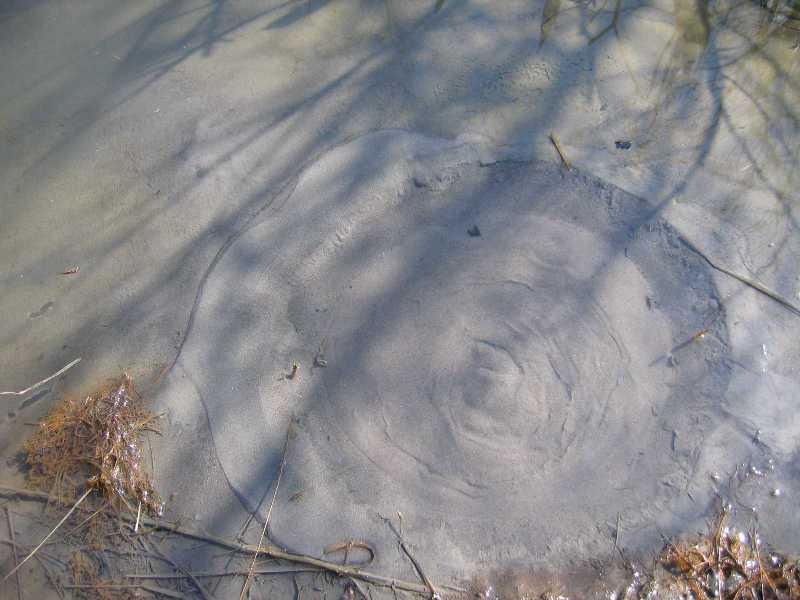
(266, 550)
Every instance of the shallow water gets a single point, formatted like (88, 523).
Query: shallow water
(511, 350)
(471, 382)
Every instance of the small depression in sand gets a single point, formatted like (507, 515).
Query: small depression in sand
(483, 345)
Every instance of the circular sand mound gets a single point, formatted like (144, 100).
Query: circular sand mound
(484, 346)
(501, 359)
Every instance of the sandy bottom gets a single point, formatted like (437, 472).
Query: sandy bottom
(481, 345)
(504, 351)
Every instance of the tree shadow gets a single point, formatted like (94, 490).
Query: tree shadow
(284, 131)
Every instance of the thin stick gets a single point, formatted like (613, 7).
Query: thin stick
(20, 547)
(752, 283)
(50, 577)
(357, 584)
(87, 519)
(209, 574)
(613, 25)
(297, 589)
(138, 516)
(43, 381)
(433, 593)
(249, 578)
(557, 146)
(121, 586)
(10, 520)
(616, 533)
(40, 559)
(197, 584)
(266, 550)
(150, 447)
(762, 571)
(47, 537)
(349, 545)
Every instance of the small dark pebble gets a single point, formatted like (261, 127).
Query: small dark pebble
(474, 231)
(623, 144)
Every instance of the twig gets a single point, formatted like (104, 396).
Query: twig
(122, 586)
(43, 381)
(357, 584)
(47, 537)
(138, 516)
(10, 492)
(265, 550)
(298, 591)
(400, 516)
(349, 545)
(11, 534)
(50, 577)
(762, 571)
(720, 575)
(163, 556)
(240, 537)
(557, 146)
(433, 593)
(235, 573)
(20, 547)
(87, 519)
(249, 578)
(759, 287)
(613, 25)
(616, 532)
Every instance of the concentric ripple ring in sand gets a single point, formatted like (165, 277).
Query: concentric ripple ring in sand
(481, 344)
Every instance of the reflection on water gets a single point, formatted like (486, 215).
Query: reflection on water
(762, 38)
(689, 40)
(549, 14)
(732, 70)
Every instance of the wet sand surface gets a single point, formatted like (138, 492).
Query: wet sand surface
(515, 355)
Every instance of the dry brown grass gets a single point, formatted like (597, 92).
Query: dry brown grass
(732, 564)
(726, 563)
(95, 442)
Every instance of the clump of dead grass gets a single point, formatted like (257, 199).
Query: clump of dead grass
(95, 443)
(726, 563)
(730, 563)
